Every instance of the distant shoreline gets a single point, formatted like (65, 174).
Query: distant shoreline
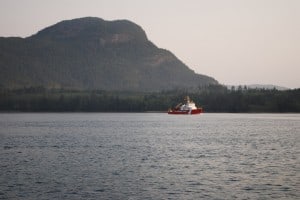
(212, 98)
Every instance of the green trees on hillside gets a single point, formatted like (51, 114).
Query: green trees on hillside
(213, 98)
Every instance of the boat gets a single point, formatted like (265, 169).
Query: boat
(186, 108)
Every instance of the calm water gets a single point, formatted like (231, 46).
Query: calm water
(149, 156)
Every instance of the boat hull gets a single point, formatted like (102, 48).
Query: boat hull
(186, 112)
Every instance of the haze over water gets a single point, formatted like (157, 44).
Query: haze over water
(149, 156)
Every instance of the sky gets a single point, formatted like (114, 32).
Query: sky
(237, 42)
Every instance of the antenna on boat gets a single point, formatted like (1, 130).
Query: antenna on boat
(187, 99)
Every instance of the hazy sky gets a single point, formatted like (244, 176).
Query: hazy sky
(234, 41)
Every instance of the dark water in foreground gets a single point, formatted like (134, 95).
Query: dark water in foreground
(149, 156)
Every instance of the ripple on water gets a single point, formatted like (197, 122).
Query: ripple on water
(149, 156)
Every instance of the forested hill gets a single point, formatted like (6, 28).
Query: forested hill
(91, 53)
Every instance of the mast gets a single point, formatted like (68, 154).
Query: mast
(187, 99)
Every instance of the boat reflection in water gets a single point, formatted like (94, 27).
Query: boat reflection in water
(186, 108)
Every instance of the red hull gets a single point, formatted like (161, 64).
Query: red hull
(185, 112)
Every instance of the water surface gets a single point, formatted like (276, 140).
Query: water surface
(149, 156)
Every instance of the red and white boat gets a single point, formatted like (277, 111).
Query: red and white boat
(187, 108)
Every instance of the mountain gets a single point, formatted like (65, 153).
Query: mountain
(91, 53)
(259, 86)
(267, 86)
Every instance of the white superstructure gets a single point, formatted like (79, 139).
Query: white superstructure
(189, 105)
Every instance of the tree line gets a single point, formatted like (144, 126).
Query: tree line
(212, 98)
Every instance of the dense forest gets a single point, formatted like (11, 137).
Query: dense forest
(213, 98)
